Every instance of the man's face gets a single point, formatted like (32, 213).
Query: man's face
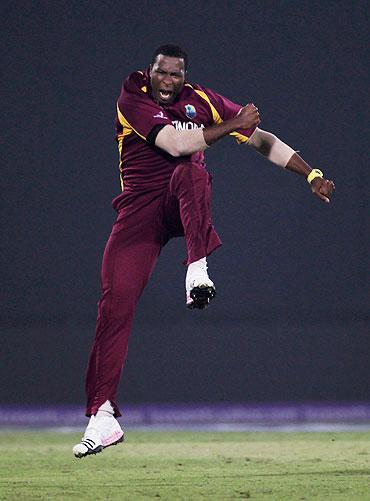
(167, 76)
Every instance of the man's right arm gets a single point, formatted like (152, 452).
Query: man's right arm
(179, 143)
(247, 118)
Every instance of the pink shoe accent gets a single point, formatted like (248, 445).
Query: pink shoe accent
(115, 437)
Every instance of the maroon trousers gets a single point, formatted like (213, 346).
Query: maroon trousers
(140, 231)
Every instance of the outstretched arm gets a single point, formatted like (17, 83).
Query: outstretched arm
(321, 187)
(283, 155)
(179, 143)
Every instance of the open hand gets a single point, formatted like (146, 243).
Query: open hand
(322, 188)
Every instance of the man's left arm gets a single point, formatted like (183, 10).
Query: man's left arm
(283, 155)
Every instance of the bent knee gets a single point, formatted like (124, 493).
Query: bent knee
(190, 170)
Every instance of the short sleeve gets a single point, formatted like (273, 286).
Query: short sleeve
(224, 109)
(136, 111)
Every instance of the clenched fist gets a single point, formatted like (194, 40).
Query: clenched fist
(248, 117)
(322, 188)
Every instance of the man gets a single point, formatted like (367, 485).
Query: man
(163, 126)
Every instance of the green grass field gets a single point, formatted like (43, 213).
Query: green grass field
(188, 465)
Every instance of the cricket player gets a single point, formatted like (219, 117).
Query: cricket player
(163, 126)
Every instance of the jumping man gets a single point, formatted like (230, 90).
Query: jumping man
(163, 126)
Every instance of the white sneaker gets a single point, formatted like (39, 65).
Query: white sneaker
(101, 432)
(200, 289)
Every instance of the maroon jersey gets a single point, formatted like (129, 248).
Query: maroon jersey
(143, 166)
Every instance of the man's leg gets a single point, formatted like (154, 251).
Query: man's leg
(190, 190)
(128, 261)
(125, 271)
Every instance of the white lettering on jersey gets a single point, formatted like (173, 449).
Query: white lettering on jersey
(186, 125)
(160, 115)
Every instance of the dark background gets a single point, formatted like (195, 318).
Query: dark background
(290, 321)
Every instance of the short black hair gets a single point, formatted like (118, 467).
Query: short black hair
(171, 50)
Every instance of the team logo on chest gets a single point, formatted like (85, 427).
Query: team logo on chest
(190, 111)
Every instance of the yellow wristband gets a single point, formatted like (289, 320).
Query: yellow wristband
(314, 173)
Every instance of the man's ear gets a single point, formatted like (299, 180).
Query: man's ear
(150, 70)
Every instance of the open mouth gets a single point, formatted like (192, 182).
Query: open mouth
(165, 95)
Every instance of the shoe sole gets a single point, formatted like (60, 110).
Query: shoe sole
(100, 448)
(201, 296)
